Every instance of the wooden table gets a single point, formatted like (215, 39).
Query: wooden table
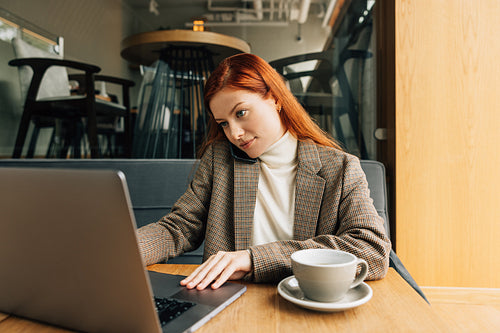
(394, 307)
(144, 48)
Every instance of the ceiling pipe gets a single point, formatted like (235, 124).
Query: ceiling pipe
(241, 15)
(257, 14)
(303, 11)
(257, 6)
(243, 24)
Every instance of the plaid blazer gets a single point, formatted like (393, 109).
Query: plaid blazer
(333, 209)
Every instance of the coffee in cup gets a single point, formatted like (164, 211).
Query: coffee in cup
(325, 275)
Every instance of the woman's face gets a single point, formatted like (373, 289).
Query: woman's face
(250, 122)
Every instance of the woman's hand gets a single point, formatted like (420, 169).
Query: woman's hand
(220, 267)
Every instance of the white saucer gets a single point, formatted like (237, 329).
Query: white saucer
(289, 289)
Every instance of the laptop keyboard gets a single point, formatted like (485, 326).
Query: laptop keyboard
(169, 308)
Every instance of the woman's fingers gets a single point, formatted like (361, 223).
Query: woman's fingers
(211, 272)
(225, 275)
(192, 275)
(219, 268)
(199, 273)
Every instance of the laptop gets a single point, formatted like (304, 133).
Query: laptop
(69, 257)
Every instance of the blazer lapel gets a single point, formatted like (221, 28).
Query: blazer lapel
(308, 193)
(246, 179)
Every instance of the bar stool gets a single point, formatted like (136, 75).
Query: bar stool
(172, 123)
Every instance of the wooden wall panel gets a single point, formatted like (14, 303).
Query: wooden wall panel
(448, 141)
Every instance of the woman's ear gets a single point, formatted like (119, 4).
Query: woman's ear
(278, 104)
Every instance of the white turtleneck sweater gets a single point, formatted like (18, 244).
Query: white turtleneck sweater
(275, 205)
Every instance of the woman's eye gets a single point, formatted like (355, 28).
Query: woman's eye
(223, 124)
(241, 113)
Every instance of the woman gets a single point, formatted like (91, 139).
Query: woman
(270, 182)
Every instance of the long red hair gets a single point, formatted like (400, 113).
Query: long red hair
(250, 72)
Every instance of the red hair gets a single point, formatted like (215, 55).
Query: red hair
(250, 72)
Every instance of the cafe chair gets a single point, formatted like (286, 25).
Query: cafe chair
(171, 120)
(74, 119)
(330, 91)
(376, 178)
(109, 126)
(322, 101)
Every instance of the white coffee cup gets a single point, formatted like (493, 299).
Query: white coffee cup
(325, 275)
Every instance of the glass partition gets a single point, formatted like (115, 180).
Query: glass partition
(325, 49)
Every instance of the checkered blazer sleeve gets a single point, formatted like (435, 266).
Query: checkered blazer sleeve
(347, 221)
(183, 229)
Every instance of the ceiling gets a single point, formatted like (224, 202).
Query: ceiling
(167, 3)
(229, 13)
